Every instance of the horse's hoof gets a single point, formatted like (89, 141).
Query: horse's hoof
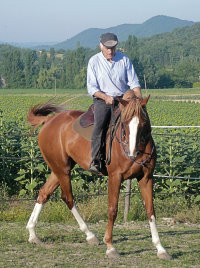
(112, 253)
(164, 256)
(93, 240)
(35, 240)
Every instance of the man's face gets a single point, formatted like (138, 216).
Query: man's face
(108, 53)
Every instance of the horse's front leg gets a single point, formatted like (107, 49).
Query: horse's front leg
(146, 186)
(113, 197)
(44, 194)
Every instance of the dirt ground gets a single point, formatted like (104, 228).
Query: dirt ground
(65, 245)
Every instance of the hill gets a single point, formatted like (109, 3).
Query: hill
(90, 37)
(29, 44)
(156, 25)
(162, 61)
(182, 42)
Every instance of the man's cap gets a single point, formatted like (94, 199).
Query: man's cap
(109, 40)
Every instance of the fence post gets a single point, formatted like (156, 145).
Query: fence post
(127, 199)
(2, 152)
(1, 119)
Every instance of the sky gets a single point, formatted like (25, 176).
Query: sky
(59, 20)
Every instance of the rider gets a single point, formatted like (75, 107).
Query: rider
(110, 74)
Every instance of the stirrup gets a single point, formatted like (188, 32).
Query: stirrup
(95, 168)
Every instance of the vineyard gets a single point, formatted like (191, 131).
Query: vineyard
(23, 171)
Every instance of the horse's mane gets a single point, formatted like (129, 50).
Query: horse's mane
(132, 108)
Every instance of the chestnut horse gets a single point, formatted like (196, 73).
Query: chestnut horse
(133, 155)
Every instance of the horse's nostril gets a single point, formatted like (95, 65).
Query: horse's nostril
(137, 153)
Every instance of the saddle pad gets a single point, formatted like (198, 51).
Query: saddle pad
(85, 132)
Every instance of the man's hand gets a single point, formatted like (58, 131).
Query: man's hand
(109, 99)
(103, 96)
(137, 91)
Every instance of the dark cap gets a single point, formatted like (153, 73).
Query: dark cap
(109, 40)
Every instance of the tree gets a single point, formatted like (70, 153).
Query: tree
(46, 79)
(13, 69)
(132, 51)
(52, 56)
(150, 72)
(43, 60)
(30, 68)
(80, 80)
(75, 61)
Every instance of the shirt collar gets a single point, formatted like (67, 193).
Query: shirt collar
(113, 59)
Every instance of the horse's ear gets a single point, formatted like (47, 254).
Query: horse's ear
(123, 102)
(144, 101)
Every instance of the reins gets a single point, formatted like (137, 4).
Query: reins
(113, 130)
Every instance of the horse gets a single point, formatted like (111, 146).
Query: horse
(133, 155)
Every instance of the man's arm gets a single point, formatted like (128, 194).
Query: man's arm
(103, 96)
(137, 91)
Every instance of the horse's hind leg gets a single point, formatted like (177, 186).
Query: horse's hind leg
(146, 186)
(44, 194)
(65, 184)
(90, 237)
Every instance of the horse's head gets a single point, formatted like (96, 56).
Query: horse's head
(133, 117)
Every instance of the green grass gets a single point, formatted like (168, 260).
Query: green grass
(64, 245)
(94, 209)
(166, 91)
(31, 91)
(171, 91)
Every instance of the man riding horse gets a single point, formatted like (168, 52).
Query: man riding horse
(133, 153)
(110, 74)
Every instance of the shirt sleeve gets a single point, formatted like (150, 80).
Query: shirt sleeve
(132, 78)
(92, 83)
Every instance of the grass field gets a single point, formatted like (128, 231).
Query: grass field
(65, 246)
(169, 91)
(31, 91)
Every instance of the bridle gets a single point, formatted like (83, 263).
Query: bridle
(144, 139)
(122, 140)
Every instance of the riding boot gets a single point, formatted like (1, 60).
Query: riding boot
(95, 167)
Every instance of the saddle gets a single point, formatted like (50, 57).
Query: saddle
(87, 119)
(83, 125)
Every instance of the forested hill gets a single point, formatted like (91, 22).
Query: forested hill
(156, 25)
(178, 35)
(162, 61)
(183, 42)
(170, 59)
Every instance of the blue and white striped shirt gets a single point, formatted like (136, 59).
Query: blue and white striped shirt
(112, 78)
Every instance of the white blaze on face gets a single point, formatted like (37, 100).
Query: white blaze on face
(133, 127)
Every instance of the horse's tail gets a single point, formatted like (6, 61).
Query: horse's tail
(38, 114)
